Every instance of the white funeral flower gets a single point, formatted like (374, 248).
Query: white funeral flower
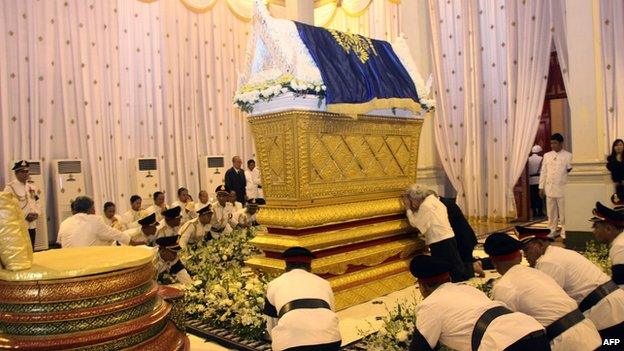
(402, 336)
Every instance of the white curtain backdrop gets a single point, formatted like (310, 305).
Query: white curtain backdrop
(612, 35)
(377, 19)
(490, 61)
(107, 81)
(559, 30)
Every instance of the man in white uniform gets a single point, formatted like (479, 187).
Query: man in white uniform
(186, 204)
(158, 206)
(253, 188)
(247, 216)
(597, 296)
(27, 197)
(170, 224)
(223, 217)
(146, 231)
(136, 212)
(553, 178)
(204, 200)
(299, 306)
(609, 229)
(463, 318)
(197, 229)
(110, 218)
(428, 214)
(527, 290)
(535, 166)
(169, 262)
(85, 228)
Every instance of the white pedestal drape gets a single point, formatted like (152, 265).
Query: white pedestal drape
(491, 64)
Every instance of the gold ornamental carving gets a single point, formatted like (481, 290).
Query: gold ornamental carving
(373, 289)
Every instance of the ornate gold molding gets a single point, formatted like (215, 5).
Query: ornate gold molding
(334, 238)
(373, 289)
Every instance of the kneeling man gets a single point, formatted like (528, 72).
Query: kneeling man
(299, 306)
(168, 261)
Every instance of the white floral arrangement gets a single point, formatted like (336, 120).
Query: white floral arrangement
(225, 293)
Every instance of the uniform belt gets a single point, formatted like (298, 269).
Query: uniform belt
(598, 294)
(303, 303)
(564, 323)
(534, 175)
(483, 322)
(217, 230)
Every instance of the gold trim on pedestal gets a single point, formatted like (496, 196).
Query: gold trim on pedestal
(371, 290)
(334, 238)
(339, 263)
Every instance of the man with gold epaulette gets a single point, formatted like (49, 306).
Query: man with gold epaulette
(223, 217)
(26, 192)
(197, 229)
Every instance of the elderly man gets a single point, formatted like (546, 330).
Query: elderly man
(235, 179)
(609, 228)
(426, 213)
(597, 296)
(84, 228)
(527, 290)
(463, 318)
(299, 307)
(26, 194)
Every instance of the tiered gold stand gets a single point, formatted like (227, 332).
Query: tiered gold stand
(96, 298)
(333, 185)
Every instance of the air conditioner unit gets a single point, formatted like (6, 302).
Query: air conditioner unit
(37, 178)
(144, 179)
(212, 173)
(69, 183)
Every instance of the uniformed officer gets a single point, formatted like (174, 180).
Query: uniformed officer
(158, 206)
(136, 212)
(598, 297)
(247, 216)
(197, 229)
(27, 196)
(146, 231)
(110, 218)
(463, 318)
(170, 225)
(527, 290)
(168, 261)
(223, 217)
(609, 228)
(299, 306)
(186, 204)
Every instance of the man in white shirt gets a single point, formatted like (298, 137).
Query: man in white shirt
(169, 262)
(527, 290)
(197, 229)
(609, 229)
(299, 307)
(247, 216)
(204, 200)
(426, 213)
(535, 167)
(253, 188)
(110, 218)
(463, 318)
(598, 297)
(87, 229)
(158, 206)
(170, 224)
(553, 178)
(223, 217)
(27, 197)
(146, 231)
(136, 212)
(186, 204)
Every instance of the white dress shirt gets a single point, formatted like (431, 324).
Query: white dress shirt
(199, 205)
(130, 218)
(578, 277)
(532, 292)
(245, 219)
(431, 220)
(164, 230)
(253, 181)
(27, 199)
(535, 163)
(554, 174)
(450, 313)
(223, 217)
(616, 252)
(187, 212)
(114, 222)
(83, 229)
(301, 327)
(157, 210)
(193, 231)
(182, 276)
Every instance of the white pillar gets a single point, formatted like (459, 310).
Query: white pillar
(589, 180)
(300, 10)
(414, 22)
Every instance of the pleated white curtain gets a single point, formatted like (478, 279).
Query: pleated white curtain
(378, 19)
(108, 81)
(612, 35)
(490, 61)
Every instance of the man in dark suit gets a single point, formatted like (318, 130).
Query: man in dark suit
(464, 235)
(235, 179)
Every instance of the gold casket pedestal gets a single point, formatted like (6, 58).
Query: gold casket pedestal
(333, 184)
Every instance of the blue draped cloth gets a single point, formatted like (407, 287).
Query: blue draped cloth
(360, 74)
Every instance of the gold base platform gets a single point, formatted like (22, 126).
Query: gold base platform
(333, 185)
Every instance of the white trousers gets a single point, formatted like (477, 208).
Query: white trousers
(556, 214)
